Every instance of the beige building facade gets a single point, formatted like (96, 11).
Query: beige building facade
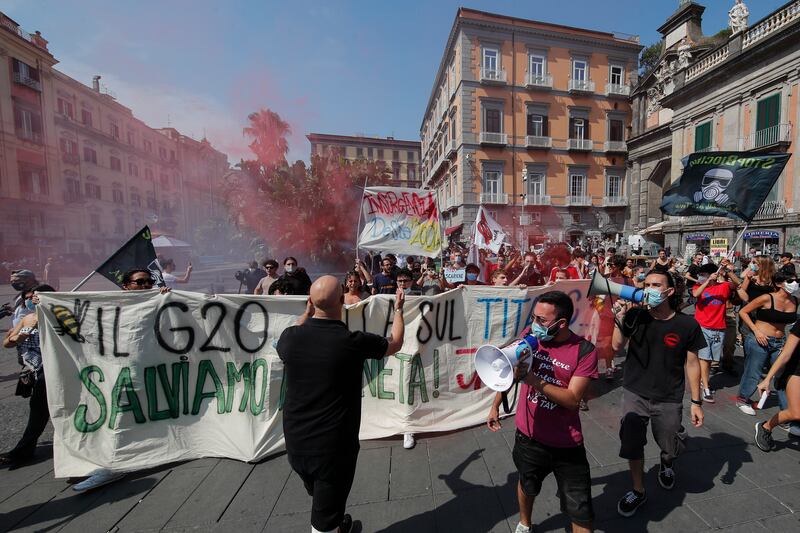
(80, 173)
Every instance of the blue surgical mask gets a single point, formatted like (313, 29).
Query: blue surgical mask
(640, 276)
(471, 276)
(654, 297)
(543, 332)
(753, 267)
(30, 305)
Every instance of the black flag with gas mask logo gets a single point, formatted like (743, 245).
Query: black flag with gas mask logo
(724, 184)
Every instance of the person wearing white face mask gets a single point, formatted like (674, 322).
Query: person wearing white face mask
(662, 346)
(295, 276)
(773, 313)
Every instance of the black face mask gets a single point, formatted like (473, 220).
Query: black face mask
(18, 285)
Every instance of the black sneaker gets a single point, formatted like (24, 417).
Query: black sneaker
(347, 524)
(764, 438)
(708, 396)
(629, 503)
(666, 476)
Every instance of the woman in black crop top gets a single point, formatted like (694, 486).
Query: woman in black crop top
(757, 279)
(789, 380)
(772, 312)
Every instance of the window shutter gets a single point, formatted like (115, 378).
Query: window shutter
(544, 126)
(17, 118)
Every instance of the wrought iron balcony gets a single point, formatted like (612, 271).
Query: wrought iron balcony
(537, 141)
(488, 137)
(541, 82)
(579, 200)
(491, 198)
(536, 199)
(580, 144)
(771, 209)
(613, 89)
(780, 133)
(493, 75)
(581, 86)
(28, 82)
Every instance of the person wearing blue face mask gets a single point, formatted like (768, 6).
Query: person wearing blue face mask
(662, 347)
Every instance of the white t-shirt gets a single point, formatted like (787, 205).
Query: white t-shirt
(169, 280)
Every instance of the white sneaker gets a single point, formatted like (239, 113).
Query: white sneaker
(523, 529)
(98, 478)
(409, 441)
(746, 408)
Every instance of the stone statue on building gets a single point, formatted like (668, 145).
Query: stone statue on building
(684, 54)
(653, 100)
(737, 17)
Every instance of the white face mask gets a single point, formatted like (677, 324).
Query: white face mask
(289, 269)
(791, 287)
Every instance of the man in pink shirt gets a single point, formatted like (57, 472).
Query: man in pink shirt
(549, 437)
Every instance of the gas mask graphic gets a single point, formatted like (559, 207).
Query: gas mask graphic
(714, 184)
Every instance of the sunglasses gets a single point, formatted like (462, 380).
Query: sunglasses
(142, 282)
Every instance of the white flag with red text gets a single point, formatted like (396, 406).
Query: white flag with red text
(488, 235)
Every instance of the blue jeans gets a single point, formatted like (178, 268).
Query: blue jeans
(755, 356)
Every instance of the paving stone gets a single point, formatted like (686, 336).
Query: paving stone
(371, 482)
(459, 472)
(410, 473)
(211, 497)
(788, 523)
(739, 507)
(788, 495)
(410, 514)
(260, 492)
(655, 520)
(472, 510)
(290, 523)
(747, 527)
(293, 498)
(28, 501)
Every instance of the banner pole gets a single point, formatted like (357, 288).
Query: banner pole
(360, 211)
(83, 281)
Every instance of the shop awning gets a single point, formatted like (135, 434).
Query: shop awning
(761, 234)
(452, 229)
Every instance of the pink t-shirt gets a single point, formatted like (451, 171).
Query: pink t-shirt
(542, 419)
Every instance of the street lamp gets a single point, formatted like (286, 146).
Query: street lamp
(522, 205)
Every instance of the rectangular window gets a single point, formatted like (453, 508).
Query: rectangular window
(579, 68)
(537, 125)
(769, 112)
(412, 172)
(116, 163)
(65, 108)
(68, 146)
(490, 56)
(615, 130)
(32, 180)
(614, 186)
(536, 184)
(380, 153)
(148, 146)
(172, 155)
(492, 182)
(28, 124)
(130, 138)
(136, 200)
(396, 170)
(86, 117)
(133, 170)
(616, 75)
(94, 222)
(578, 128)
(369, 153)
(395, 155)
(410, 156)
(162, 152)
(114, 131)
(537, 68)
(89, 155)
(491, 121)
(93, 191)
(360, 153)
(116, 196)
(577, 185)
(702, 137)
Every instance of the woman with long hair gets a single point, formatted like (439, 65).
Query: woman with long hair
(772, 312)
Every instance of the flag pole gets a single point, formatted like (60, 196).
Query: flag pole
(360, 211)
(83, 281)
(736, 242)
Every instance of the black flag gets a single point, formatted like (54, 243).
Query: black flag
(724, 184)
(138, 252)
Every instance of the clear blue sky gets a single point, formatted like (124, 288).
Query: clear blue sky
(327, 66)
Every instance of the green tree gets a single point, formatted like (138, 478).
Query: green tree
(648, 59)
(310, 212)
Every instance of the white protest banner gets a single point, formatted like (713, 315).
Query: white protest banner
(137, 379)
(488, 235)
(455, 275)
(401, 221)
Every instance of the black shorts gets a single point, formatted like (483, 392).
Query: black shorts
(327, 479)
(535, 461)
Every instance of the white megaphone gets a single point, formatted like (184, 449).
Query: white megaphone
(603, 286)
(495, 366)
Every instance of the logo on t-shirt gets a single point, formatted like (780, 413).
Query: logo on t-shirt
(671, 340)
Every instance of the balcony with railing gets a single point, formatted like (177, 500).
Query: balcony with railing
(584, 145)
(613, 89)
(615, 201)
(768, 137)
(708, 62)
(771, 209)
(538, 141)
(494, 198)
(536, 199)
(771, 25)
(28, 135)
(493, 75)
(581, 86)
(70, 158)
(490, 137)
(36, 85)
(578, 200)
(452, 147)
(616, 146)
(535, 81)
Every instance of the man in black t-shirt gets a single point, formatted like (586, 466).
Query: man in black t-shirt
(692, 275)
(787, 267)
(323, 362)
(662, 348)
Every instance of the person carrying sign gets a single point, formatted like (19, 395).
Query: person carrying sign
(323, 363)
(549, 437)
